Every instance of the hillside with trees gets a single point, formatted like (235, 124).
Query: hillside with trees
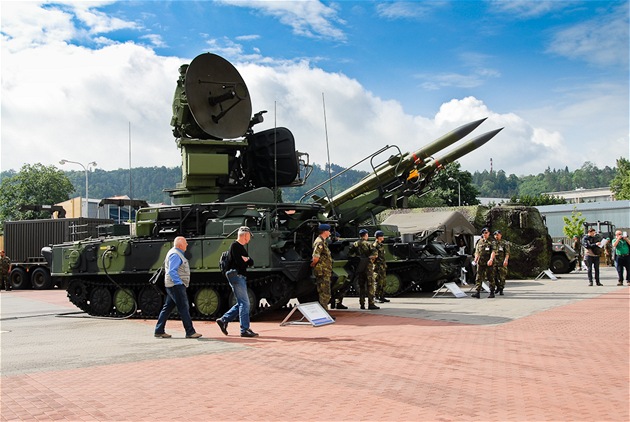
(448, 188)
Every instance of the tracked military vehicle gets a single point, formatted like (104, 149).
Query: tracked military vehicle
(231, 177)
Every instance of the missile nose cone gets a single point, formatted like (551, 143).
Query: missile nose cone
(482, 139)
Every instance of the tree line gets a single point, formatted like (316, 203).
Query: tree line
(46, 185)
(496, 184)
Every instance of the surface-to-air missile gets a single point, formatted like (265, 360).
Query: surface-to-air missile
(231, 176)
(411, 264)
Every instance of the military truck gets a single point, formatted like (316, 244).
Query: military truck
(231, 177)
(24, 240)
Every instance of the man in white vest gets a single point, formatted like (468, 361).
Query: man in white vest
(176, 280)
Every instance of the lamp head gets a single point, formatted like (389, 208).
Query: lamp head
(62, 162)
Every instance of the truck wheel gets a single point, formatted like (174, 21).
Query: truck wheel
(19, 279)
(40, 279)
(559, 264)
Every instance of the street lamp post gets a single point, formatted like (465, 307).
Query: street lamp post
(459, 191)
(86, 169)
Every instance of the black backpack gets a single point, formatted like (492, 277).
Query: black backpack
(224, 262)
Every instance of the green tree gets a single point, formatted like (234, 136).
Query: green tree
(33, 185)
(574, 226)
(620, 184)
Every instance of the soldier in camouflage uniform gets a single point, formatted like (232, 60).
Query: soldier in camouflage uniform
(502, 255)
(484, 259)
(362, 248)
(5, 269)
(380, 266)
(322, 265)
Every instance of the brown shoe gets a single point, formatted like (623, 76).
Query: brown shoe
(196, 335)
(620, 283)
(162, 335)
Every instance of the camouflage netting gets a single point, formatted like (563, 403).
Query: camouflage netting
(522, 226)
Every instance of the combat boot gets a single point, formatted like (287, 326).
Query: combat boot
(491, 294)
(332, 304)
(373, 306)
(384, 300)
(501, 291)
(362, 306)
(476, 294)
(341, 306)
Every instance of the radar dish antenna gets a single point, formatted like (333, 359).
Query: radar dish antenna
(218, 97)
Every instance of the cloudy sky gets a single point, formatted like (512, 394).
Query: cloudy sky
(76, 76)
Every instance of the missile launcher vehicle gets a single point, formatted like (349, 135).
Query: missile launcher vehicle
(231, 177)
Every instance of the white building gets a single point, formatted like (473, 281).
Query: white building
(582, 195)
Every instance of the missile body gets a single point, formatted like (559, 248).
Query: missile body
(459, 152)
(402, 165)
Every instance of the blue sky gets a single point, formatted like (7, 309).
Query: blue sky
(75, 75)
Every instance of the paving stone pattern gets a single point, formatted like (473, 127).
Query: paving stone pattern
(568, 362)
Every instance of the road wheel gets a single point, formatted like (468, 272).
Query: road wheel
(77, 292)
(559, 264)
(150, 302)
(207, 301)
(124, 301)
(393, 284)
(40, 279)
(101, 301)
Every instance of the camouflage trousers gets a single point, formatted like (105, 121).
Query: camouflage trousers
(4, 281)
(366, 286)
(323, 290)
(380, 275)
(500, 274)
(484, 273)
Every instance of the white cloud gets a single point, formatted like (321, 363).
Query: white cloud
(308, 18)
(527, 9)
(64, 101)
(477, 76)
(602, 41)
(407, 9)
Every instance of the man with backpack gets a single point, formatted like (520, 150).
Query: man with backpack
(236, 274)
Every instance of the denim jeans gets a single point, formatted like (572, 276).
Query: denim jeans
(175, 297)
(241, 308)
(621, 262)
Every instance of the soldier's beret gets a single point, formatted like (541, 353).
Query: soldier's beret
(379, 233)
(324, 227)
(362, 232)
(497, 232)
(484, 230)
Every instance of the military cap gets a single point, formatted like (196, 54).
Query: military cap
(362, 232)
(484, 230)
(379, 233)
(324, 227)
(497, 232)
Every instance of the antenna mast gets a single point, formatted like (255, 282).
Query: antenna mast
(327, 148)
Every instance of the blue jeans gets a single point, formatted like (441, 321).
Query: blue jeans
(175, 297)
(238, 283)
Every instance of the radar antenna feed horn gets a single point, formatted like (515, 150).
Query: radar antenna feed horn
(218, 97)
